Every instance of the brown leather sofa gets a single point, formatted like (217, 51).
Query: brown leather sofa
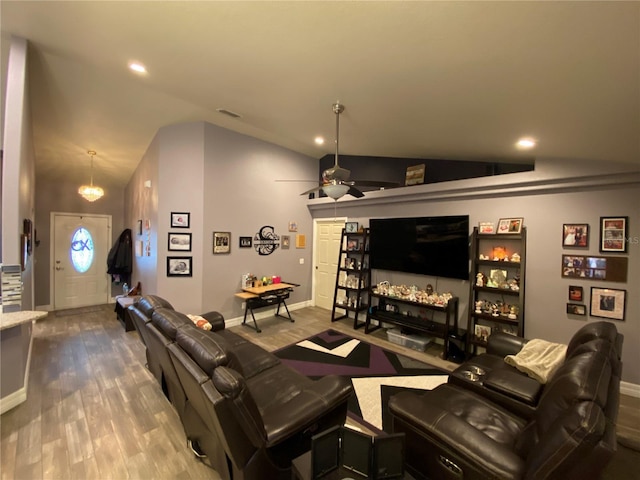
(244, 410)
(461, 430)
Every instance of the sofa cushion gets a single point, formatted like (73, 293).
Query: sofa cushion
(592, 331)
(149, 303)
(207, 351)
(168, 321)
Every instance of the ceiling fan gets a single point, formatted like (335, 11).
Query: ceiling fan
(335, 180)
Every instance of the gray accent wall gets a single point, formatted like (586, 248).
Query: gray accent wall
(557, 192)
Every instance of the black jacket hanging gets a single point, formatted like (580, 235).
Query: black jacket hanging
(120, 258)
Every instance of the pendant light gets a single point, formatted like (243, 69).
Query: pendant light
(90, 192)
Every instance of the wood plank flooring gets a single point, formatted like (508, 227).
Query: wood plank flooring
(94, 411)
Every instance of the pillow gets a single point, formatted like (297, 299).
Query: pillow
(538, 358)
(199, 322)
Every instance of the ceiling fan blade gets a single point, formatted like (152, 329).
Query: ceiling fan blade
(297, 181)
(314, 189)
(354, 192)
(373, 183)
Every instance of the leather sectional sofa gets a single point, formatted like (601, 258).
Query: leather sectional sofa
(240, 407)
(502, 424)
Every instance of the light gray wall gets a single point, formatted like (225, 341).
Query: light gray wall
(18, 166)
(557, 192)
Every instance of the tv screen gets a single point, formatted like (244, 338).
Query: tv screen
(436, 246)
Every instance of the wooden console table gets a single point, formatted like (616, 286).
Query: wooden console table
(265, 296)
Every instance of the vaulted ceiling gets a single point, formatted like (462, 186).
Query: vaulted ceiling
(454, 80)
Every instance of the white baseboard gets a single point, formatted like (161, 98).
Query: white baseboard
(44, 308)
(630, 389)
(13, 400)
(265, 313)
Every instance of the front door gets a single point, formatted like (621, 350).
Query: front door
(79, 259)
(327, 251)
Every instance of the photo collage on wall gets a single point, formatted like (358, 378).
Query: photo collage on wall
(609, 303)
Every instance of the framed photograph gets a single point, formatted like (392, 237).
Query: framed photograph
(608, 303)
(575, 293)
(575, 235)
(286, 241)
(301, 240)
(245, 242)
(179, 266)
(576, 309)
(486, 227)
(221, 242)
(613, 234)
(139, 227)
(510, 225)
(351, 227)
(482, 332)
(179, 242)
(180, 219)
(293, 226)
(353, 245)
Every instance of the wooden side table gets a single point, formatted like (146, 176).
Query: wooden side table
(122, 311)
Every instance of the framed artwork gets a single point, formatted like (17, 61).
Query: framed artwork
(575, 293)
(221, 242)
(588, 267)
(482, 332)
(286, 241)
(608, 303)
(613, 234)
(351, 227)
(179, 242)
(179, 266)
(486, 227)
(245, 242)
(510, 225)
(293, 226)
(576, 309)
(180, 219)
(353, 245)
(575, 235)
(139, 227)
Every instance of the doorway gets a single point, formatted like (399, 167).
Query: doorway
(79, 259)
(328, 235)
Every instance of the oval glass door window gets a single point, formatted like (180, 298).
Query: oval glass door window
(81, 250)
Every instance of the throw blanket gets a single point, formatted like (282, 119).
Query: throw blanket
(538, 358)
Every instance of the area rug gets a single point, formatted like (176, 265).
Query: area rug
(376, 373)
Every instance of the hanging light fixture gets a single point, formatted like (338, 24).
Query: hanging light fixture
(90, 192)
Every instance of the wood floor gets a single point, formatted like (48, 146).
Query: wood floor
(95, 412)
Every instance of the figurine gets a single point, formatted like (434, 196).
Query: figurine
(429, 289)
(515, 257)
(479, 304)
(480, 279)
(513, 312)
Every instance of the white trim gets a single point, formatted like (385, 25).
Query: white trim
(314, 258)
(631, 389)
(266, 313)
(13, 400)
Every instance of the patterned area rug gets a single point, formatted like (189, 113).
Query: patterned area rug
(376, 373)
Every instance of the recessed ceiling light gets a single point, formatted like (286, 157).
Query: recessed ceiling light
(319, 140)
(526, 143)
(137, 67)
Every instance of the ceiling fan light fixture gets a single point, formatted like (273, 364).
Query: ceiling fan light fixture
(336, 190)
(91, 192)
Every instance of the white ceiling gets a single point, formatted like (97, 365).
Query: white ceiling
(457, 80)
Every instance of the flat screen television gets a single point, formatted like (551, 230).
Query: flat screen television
(436, 246)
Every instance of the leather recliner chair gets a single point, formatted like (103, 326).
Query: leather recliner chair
(256, 410)
(453, 432)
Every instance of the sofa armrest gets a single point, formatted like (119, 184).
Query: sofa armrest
(215, 319)
(514, 385)
(503, 344)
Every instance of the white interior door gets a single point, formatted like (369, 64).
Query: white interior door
(79, 252)
(327, 250)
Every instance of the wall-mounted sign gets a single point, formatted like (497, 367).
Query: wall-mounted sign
(266, 241)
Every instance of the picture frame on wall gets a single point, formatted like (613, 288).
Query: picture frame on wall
(180, 219)
(608, 303)
(575, 235)
(351, 227)
(575, 293)
(510, 225)
(576, 309)
(179, 242)
(286, 241)
(221, 242)
(179, 266)
(245, 242)
(613, 234)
